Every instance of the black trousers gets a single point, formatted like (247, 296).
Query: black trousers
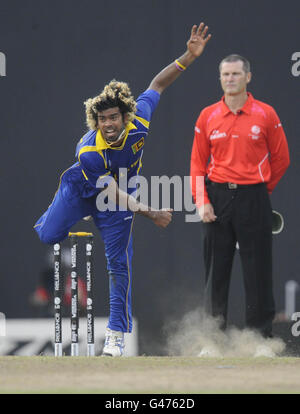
(244, 216)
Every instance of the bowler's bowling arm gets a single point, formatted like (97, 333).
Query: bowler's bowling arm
(159, 217)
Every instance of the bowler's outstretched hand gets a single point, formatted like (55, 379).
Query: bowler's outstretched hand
(198, 39)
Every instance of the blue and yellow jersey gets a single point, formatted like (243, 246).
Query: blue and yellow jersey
(96, 158)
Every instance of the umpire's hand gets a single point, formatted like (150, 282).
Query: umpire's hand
(207, 213)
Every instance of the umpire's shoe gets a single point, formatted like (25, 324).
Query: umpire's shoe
(114, 343)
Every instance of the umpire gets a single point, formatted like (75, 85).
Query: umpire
(241, 150)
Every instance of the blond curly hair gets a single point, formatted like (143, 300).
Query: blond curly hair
(114, 94)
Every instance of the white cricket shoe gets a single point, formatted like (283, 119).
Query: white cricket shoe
(114, 343)
(209, 352)
(264, 351)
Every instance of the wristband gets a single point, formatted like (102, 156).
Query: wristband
(179, 66)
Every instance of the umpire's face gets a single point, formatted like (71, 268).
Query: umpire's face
(111, 123)
(233, 78)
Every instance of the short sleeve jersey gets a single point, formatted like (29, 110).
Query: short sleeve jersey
(245, 148)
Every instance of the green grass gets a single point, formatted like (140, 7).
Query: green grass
(147, 375)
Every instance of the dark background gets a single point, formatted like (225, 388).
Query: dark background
(59, 53)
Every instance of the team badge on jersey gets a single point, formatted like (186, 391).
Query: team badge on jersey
(255, 130)
(138, 145)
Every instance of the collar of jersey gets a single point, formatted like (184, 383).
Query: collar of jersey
(246, 108)
(101, 144)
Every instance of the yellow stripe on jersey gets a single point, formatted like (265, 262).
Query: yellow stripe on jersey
(92, 149)
(143, 121)
(104, 175)
(140, 166)
(84, 174)
(88, 148)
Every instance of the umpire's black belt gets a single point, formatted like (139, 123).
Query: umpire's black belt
(232, 186)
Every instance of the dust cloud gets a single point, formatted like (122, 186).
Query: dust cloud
(196, 330)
